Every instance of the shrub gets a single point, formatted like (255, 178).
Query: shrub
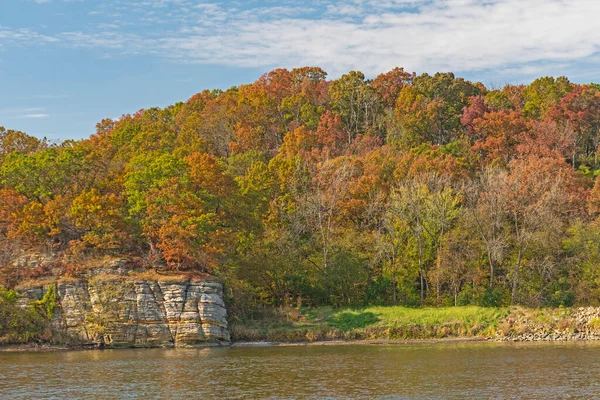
(18, 325)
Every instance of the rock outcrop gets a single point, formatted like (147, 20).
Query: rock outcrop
(137, 313)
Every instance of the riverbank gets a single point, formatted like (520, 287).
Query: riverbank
(369, 323)
(31, 347)
(360, 342)
(34, 347)
(397, 325)
(402, 325)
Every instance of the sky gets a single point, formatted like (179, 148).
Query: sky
(67, 64)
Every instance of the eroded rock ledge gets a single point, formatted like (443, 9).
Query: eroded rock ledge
(137, 313)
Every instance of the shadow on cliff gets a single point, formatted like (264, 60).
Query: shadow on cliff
(349, 320)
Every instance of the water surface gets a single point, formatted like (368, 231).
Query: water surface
(415, 371)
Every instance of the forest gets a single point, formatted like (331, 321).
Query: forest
(297, 190)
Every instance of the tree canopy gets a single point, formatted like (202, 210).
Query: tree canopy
(298, 190)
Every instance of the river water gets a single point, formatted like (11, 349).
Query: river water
(414, 371)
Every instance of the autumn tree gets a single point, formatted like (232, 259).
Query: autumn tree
(12, 141)
(355, 101)
(429, 109)
(543, 93)
(577, 114)
(297, 189)
(388, 85)
(540, 195)
(487, 208)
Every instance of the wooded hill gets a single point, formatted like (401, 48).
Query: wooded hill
(298, 190)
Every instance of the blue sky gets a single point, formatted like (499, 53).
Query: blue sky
(67, 64)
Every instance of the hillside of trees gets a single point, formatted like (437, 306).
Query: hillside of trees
(298, 190)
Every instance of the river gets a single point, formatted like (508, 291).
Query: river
(414, 371)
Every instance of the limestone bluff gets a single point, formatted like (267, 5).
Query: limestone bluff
(137, 313)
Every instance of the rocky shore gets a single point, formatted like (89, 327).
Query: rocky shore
(526, 325)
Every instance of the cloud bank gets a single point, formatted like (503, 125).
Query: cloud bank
(511, 36)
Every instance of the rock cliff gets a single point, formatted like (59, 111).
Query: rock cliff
(137, 313)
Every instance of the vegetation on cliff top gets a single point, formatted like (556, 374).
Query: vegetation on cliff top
(302, 191)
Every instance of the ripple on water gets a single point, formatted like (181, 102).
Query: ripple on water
(416, 371)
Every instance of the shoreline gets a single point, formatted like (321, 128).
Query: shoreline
(42, 348)
(338, 342)
(378, 326)
(45, 348)
(37, 348)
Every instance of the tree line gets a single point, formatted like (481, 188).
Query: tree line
(299, 190)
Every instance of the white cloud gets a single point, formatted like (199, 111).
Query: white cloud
(23, 36)
(35, 116)
(437, 35)
(344, 9)
(27, 112)
(510, 36)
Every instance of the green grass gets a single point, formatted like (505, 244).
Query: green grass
(368, 323)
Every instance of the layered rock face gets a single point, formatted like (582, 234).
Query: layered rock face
(138, 313)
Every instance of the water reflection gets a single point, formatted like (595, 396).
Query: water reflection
(466, 370)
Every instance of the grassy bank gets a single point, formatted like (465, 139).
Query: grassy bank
(369, 323)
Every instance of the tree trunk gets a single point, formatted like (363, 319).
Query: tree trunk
(422, 287)
(422, 278)
(394, 289)
(394, 284)
(516, 276)
(491, 270)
